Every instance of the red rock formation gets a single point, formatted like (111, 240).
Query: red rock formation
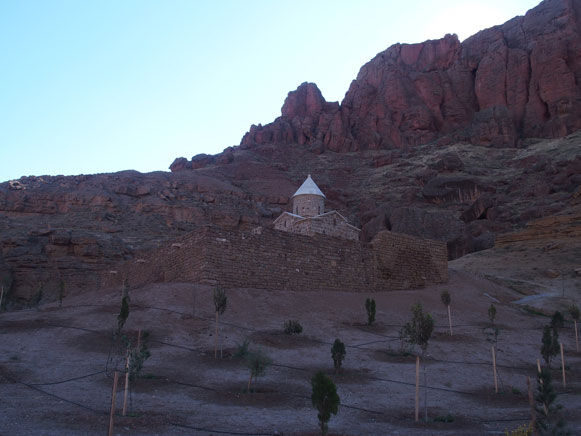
(518, 80)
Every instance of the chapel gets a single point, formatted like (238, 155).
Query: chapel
(308, 215)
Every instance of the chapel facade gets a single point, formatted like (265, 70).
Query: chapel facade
(308, 215)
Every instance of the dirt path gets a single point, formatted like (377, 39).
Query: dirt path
(185, 391)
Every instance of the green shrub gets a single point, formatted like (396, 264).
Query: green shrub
(293, 327)
(444, 418)
(523, 430)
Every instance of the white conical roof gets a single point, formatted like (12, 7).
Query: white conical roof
(309, 187)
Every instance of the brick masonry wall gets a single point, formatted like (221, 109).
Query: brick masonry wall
(269, 259)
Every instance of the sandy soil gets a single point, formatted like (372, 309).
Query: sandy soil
(185, 391)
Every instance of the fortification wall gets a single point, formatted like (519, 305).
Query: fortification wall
(182, 260)
(270, 259)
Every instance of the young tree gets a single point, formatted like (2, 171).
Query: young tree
(550, 344)
(492, 313)
(370, 308)
(124, 312)
(5, 287)
(220, 301)
(419, 332)
(574, 312)
(338, 353)
(446, 300)
(325, 399)
(558, 320)
(137, 355)
(37, 298)
(62, 286)
(257, 362)
(548, 421)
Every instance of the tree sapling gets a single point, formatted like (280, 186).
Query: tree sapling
(446, 300)
(338, 353)
(220, 302)
(370, 309)
(325, 399)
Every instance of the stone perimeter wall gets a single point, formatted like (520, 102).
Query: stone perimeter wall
(269, 259)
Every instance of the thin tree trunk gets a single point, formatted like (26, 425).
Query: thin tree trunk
(576, 335)
(113, 396)
(249, 381)
(216, 338)
(532, 405)
(563, 366)
(417, 410)
(425, 390)
(126, 385)
(494, 370)
(450, 320)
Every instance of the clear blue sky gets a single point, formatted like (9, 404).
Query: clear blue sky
(101, 86)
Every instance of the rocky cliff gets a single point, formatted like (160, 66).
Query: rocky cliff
(513, 81)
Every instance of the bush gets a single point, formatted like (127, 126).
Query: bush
(444, 418)
(370, 308)
(324, 399)
(338, 354)
(293, 327)
(524, 430)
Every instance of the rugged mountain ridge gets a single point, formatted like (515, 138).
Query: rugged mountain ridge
(507, 83)
(66, 231)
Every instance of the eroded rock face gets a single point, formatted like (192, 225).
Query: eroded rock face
(509, 82)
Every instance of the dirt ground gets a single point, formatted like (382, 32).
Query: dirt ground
(56, 374)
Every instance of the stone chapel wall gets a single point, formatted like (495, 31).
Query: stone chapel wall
(269, 259)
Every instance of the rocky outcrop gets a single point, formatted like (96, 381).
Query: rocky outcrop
(518, 80)
(547, 229)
